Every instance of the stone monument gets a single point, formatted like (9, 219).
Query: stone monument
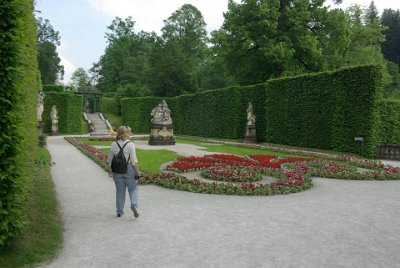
(250, 136)
(39, 111)
(161, 126)
(54, 121)
(87, 107)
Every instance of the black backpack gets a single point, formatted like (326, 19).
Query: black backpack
(119, 163)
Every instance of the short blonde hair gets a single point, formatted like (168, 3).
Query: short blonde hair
(123, 133)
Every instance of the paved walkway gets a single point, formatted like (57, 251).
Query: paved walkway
(334, 224)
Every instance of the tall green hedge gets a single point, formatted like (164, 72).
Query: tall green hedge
(136, 113)
(69, 111)
(325, 110)
(57, 88)
(389, 129)
(18, 124)
(110, 105)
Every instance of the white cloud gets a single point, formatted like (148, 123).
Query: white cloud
(149, 14)
(69, 68)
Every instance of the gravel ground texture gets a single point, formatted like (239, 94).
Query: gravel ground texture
(337, 223)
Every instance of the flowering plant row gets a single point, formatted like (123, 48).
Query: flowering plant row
(275, 162)
(327, 169)
(356, 161)
(177, 182)
(184, 164)
(93, 153)
(232, 174)
(173, 181)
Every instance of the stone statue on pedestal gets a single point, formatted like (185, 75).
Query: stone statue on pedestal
(161, 114)
(39, 112)
(39, 106)
(251, 118)
(161, 125)
(250, 136)
(54, 121)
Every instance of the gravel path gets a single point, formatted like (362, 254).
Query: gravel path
(336, 223)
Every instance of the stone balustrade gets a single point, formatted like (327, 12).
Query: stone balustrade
(388, 151)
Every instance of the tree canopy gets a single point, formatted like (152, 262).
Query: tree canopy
(259, 39)
(49, 62)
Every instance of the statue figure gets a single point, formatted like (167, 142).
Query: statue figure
(251, 118)
(161, 114)
(39, 106)
(166, 113)
(87, 109)
(156, 113)
(162, 132)
(54, 120)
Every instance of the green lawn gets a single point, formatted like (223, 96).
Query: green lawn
(115, 120)
(43, 236)
(229, 149)
(151, 160)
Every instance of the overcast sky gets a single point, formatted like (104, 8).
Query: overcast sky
(83, 23)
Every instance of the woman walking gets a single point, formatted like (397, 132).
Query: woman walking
(124, 170)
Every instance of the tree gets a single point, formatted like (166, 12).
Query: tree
(260, 39)
(80, 78)
(120, 28)
(372, 14)
(126, 59)
(391, 47)
(179, 54)
(49, 62)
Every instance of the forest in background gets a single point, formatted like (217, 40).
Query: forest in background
(259, 40)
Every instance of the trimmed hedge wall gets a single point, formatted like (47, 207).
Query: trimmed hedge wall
(69, 111)
(324, 110)
(136, 113)
(57, 88)
(18, 124)
(110, 105)
(390, 122)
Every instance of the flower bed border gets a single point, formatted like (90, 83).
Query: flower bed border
(354, 160)
(177, 182)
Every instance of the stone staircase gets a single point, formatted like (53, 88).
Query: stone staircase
(100, 125)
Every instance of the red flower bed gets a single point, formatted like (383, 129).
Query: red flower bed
(268, 160)
(195, 162)
(293, 178)
(88, 148)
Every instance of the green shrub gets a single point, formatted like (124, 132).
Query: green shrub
(58, 88)
(136, 113)
(69, 111)
(389, 111)
(18, 88)
(110, 105)
(324, 110)
(53, 88)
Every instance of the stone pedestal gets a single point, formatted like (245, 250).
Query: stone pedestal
(161, 135)
(42, 137)
(250, 136)
(54, 128)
